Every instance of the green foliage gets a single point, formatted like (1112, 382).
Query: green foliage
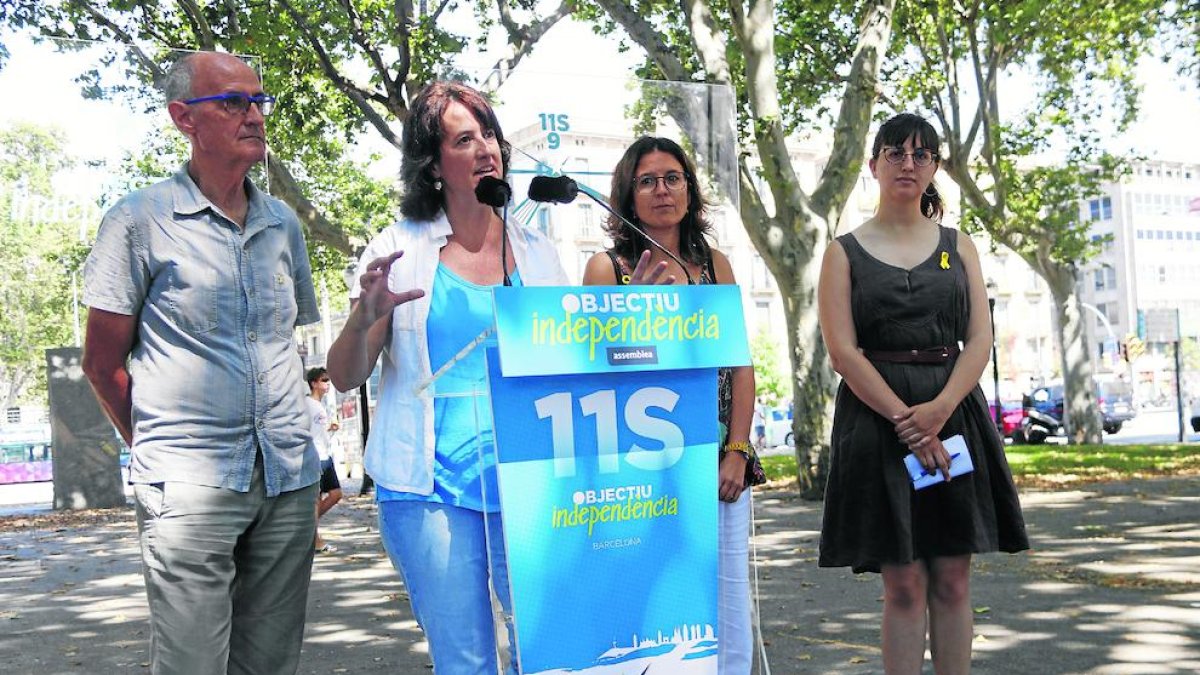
(315, 119)
(814, 44)
(1183, 33)
(39, 252)
(770, 381)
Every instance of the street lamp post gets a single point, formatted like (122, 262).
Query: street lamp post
(991, 290)
(364, 399)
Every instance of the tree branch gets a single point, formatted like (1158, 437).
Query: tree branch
(359, 96)
(521, 39)
(147, 24)
(203, 32)
(854, 117)
(709, 40)
(231, 11)
(438, 12)
(126, 39)
(988, 113)
(360, 39)
(284, 187)
(402, 15)
(755, 29)
(641, 32)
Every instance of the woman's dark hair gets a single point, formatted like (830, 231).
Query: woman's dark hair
(421, 145)
(314, 374)
(900, 128)
(627, 243)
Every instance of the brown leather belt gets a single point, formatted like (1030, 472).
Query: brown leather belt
(927, 355)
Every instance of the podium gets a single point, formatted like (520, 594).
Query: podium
(604, 410)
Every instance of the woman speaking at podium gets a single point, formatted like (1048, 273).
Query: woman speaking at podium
(424, 296)
(656, 192)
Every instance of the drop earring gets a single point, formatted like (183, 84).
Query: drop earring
(437, 184)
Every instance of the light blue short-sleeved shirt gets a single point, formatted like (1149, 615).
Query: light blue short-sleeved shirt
(216, 375)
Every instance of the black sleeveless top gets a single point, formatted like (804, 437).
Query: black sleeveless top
(708, 275)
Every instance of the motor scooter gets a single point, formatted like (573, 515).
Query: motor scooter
(1038, 424)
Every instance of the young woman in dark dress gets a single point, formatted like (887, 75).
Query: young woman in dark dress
(904, 314)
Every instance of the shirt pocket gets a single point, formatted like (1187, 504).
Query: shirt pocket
(192, 293)
(285, 302)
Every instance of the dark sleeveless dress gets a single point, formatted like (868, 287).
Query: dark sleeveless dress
(872, 514)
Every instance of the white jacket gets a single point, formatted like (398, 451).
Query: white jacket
(400, 448)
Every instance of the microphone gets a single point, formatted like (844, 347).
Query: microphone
(564, 189)
(493, 192)
(556, 189)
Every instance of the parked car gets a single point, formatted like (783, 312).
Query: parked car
(1115, 399)
(779, 428)
(1012, 413)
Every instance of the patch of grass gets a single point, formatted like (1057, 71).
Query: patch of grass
(1103, 460)
(1063, 464)
(779, 467)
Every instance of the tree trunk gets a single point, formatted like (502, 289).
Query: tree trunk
(813, 380)
(1081, 413)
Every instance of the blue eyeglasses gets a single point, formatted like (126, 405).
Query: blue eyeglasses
(239, 104)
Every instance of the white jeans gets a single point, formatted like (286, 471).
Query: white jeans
(734, 631)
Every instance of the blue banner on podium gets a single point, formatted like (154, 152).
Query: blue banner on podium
(608, 489)
(551, 330)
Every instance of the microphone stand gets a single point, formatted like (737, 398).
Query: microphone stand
(504, 245)
(495, 193)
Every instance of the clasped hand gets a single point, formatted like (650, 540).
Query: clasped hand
(917, 427)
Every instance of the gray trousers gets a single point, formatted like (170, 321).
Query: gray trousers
(226, 576)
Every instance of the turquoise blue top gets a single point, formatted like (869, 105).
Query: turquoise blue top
(459, 311)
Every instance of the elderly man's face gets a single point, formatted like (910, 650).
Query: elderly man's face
(218, 134)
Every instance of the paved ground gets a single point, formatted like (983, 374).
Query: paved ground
(1112, 587)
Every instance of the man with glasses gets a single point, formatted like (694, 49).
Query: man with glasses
(195, 285)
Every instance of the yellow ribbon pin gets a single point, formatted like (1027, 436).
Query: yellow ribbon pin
(945, 260)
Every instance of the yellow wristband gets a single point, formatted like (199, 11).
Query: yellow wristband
(739, 446)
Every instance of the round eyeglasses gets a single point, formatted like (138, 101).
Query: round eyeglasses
(674, 181)
(239, 104)
(920, 156)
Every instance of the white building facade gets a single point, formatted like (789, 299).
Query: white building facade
(1152, 263)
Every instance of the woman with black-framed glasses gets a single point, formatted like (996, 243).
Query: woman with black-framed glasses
(654, 185)
(904, 315)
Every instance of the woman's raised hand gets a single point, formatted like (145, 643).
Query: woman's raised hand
(376, 299)
(646, 274)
